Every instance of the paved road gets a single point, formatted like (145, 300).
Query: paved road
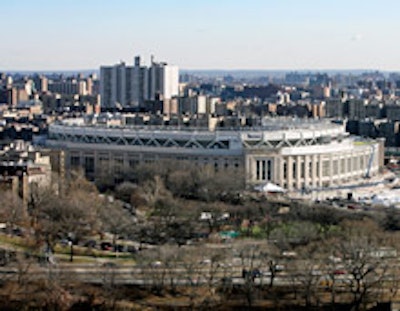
(134, 275)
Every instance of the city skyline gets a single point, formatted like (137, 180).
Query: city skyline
(200, 35)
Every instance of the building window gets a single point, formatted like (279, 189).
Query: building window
(119, 161)
(284, 170)
(75, 161)
(335, 167)
(133, 163)
(118, 165)
(294, 170)
(263, 169)
(355, 164)
(326, 168)
(89, 165)
(342, 166)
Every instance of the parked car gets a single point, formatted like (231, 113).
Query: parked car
(106, 246)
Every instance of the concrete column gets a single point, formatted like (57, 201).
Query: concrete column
(81, 159)
(126, 162)
(96, 162)
(314, 177)
(279, 173)
(298, 171)
(307, 171)
(110, 163)
(350, 165)
(331, 169)
(250, 169)
(289, 173)
(320, 170)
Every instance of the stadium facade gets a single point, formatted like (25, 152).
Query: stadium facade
(294, 154)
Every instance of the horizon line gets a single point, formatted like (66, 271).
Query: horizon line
(212, 69)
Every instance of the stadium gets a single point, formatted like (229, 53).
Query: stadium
(294, 154)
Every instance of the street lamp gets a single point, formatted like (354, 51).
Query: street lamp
(71, 238)
(71, 252)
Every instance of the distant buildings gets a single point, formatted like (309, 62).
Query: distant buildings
(367, 105)
(70, 87)
(132, 86)
(22, 167)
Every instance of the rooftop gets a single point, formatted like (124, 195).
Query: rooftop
(268, 124)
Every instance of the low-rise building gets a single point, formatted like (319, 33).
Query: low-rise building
(22, 167)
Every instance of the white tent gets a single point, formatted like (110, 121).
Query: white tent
(270, 187)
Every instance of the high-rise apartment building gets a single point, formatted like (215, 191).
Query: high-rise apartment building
(132, 86)
(41, 83)
(139, 83)
(113, 85)
(68, 86)
(170, 81)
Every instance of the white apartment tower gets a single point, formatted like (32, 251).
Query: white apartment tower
(170, 81)
(131, 86)
(164, 81)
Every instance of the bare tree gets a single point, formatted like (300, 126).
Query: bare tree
(72, 214)
(306, 272)
(153, 190)
(250, 256)
(158, 266)
(115, 220)
(193, 278)
(124, 191)
(12, 210)
(205, 184)
(108, 278)
(362, 261)
(214, 268)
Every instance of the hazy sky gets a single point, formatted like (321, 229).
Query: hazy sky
(201, 34)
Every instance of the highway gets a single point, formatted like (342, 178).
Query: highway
(184, 276)
(125, 275)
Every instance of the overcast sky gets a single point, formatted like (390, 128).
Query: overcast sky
(201, 34)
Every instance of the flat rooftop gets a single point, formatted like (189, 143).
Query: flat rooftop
(268, 124)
